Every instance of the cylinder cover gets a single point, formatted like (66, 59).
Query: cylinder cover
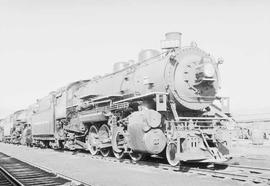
(143, 134)
(155, 141)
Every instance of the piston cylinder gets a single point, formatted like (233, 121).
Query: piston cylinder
(144, 134)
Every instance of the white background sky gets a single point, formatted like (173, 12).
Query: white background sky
(47, 44)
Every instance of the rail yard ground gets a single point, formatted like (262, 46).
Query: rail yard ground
(245, 153)
(104, 173)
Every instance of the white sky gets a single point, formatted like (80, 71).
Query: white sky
(44, 44)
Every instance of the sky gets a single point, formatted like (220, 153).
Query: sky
(45, 44)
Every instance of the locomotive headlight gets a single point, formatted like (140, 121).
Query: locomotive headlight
(209, 70)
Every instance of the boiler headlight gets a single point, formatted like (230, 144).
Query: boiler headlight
(209, 70)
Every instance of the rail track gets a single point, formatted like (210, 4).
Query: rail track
(6, 179)
(15, 172)
(243, 174)
(238, 173)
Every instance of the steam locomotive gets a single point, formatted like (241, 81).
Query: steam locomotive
(16, 128)
(162, 105)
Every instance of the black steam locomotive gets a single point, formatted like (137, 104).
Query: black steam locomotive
(161, 105)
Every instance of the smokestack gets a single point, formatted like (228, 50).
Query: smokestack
(172, 40)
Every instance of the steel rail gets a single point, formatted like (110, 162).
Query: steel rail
(23, 173)
(250, 168)
(8, 177)
(73, 180)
